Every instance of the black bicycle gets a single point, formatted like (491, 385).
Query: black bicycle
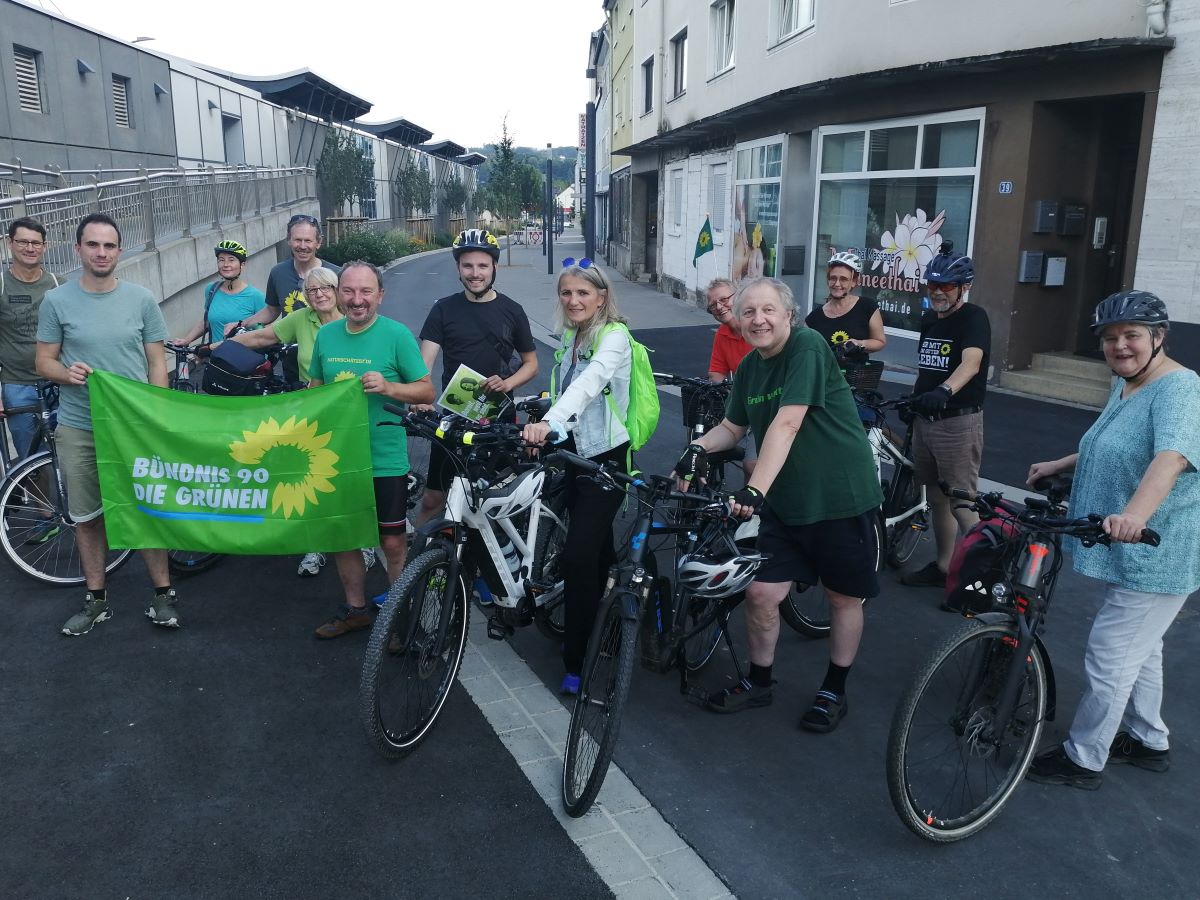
(966, 730)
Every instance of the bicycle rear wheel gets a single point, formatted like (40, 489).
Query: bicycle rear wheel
(596, 718)
(408, 670)
(949, 773)
(37, 536)
(806, 609)
(699, 648)
(192, 562)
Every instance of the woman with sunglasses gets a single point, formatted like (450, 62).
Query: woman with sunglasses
(591, 361)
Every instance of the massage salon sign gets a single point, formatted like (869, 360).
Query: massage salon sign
(252, 475)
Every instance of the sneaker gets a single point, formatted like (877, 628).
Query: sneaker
(483, 595)
(742, 695)
(368, 557)
(826, 711)
(350, 619)
(310, 565)
(380, 599)
(161, 610)
(930, 576)
(1055, 767)
(1128, 749)
(93, 611)
(570, 684)
(42, 532)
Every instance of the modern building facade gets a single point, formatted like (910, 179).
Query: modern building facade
(802, 127)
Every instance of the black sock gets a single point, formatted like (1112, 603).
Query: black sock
(162, 591)
(98, 593)
(760, 675)
(835, 679)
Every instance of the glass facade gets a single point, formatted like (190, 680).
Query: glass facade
(759, 176)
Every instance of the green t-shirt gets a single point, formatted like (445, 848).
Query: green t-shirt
(299, 328)
(830, 472)
(107, 331)
(19, 303)
(386, 347)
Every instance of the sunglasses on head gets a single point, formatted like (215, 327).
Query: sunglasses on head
(302, 217)
(583, 263)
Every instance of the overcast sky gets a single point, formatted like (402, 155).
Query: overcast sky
(454, 67)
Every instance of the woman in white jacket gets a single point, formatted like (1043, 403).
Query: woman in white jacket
(592, 361)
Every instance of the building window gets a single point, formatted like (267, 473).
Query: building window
(676, 211)
(122, 114)
(718, 198)
(648, 85)
(893, 192)
(721, 33)
(621, 194)
(28, 64)
(679, 63)
(756, 194)
(789, 17)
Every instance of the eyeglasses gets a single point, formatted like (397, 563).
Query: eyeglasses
(582, 263)
(32, 245)
(937, 287)
(721, 303)
(319, 289)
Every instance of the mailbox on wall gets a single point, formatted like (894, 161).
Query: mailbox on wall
(1073, 220)
(1045, 216)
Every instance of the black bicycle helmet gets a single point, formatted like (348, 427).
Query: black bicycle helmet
(1141, 307)
(476, 239)
(233, 248)
(949, 267)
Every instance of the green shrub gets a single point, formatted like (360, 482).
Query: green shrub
(369, 245)
(442, 239)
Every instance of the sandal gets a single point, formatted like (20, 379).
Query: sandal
(827, 710)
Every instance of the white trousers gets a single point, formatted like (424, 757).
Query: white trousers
(1123, 668)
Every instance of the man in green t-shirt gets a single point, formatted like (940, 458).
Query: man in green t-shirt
(383, 355)
(816, 474)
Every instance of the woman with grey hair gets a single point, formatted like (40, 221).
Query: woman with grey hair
(815, 484)
(594, 358)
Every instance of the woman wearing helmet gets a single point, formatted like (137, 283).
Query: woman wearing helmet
(845, 319)
(1139, 461)
(227, 300)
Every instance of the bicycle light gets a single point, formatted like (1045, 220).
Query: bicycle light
(1001, 594)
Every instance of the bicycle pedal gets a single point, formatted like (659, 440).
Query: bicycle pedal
(497, 630)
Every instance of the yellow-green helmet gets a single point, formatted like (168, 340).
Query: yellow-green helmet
(231, 247)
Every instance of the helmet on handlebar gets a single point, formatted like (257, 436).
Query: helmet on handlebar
(949, 267)
(846, 258)
(233, 248)
(476, 239)
(705, 575)
(1140, 307)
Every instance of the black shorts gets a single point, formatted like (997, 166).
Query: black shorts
(391, 503)
(840, 553)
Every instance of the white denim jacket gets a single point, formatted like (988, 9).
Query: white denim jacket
(582, 408)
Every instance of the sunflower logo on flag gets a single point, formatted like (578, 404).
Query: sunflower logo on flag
(296, 456)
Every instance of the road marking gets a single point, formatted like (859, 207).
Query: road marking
(624, 838)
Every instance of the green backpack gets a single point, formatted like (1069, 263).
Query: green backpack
(642, 418)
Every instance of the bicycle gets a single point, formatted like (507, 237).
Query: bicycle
(713, 570)
(966, 730)
(492, 526)
(36, 529)
(703, 409)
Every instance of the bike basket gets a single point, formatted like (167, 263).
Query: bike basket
(865, 376)
(701, 406)
(234, 370)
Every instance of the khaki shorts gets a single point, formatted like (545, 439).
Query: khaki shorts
(77, 460)
(949, 450)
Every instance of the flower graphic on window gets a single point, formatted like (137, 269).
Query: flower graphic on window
(906, 251)
(296, 456)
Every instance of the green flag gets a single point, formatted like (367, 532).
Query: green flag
(704, 242)
(278, 474)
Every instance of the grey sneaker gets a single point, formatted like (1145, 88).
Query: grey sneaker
(93, 611)
(161, 610)
(310, 565)
(368, 557)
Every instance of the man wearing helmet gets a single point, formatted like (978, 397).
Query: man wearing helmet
(229, 300)
(479, 327)
(952, 363)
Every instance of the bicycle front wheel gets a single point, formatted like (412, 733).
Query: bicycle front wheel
(699, 648)
(550, 617)
(806, 609)
(36, 533)
(192, 562)
(951, 766)
(411, 661)
(596, 718)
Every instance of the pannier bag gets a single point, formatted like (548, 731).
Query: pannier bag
(234, 370)
(977, 564)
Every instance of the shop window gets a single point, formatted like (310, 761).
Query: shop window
(843, 152)
(756, 196)
(892, 148)
(950, 145)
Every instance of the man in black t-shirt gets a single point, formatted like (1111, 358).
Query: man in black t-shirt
(481, 328)
(952, 365)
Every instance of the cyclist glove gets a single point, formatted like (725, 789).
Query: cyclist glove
(693, 465)
(747, 496)
(932, 401)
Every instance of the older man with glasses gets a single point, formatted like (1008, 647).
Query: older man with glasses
(22, 288)
(728, 350)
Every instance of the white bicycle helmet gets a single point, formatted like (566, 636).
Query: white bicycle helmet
(706, 576)
(846, 258)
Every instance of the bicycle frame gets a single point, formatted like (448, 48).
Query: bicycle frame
(883, 449)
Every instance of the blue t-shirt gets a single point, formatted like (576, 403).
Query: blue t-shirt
(225, 308)
(1113, 457)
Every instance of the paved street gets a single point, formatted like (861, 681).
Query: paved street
(227, 759)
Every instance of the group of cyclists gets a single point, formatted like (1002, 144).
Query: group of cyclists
(813, 483)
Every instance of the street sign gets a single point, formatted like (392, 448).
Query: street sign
(1006, 187)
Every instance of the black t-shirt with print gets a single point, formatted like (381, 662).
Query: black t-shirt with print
(483, 336)
(854, 325)
(941, 347)
(285, 289)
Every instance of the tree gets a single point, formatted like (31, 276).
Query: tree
(344, 171)
(503, 186)
(455, 194)
(414, 187)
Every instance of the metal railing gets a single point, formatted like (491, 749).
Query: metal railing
(155, 207)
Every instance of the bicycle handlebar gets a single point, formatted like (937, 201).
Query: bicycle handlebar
(686, 381)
